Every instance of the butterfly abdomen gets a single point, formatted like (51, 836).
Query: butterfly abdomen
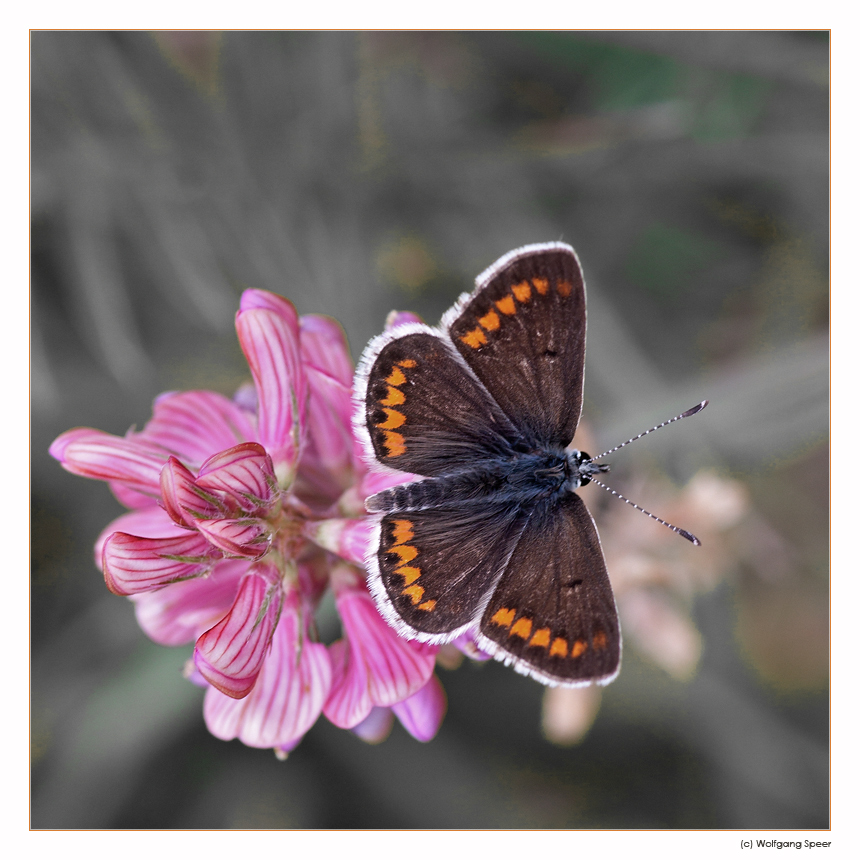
(521, 479)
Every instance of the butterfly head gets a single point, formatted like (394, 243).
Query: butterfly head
(581, 468)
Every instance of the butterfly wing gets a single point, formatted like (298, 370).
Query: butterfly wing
(523, 334)
(552, 614)
(421, 410)
(435, 568)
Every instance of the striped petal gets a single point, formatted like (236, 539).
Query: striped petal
(245, 538)
(131, 498)
(268, 331)
(289, 694)
(231, 653)
(245, 474)
(94, 454)
(374, 666)
(178, 614)
(324, 347)
(193, 425)
(135, 564)
(185, 503)
(152, 522)
(349, 703)
(328, 458)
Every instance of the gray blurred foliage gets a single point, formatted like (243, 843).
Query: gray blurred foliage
(358, 172)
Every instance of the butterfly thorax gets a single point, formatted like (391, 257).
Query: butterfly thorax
(524, 478)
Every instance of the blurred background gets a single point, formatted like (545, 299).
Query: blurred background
(355, 173)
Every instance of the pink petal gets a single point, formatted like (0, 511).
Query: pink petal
(152, 522)
(396, 666)
(183, 500)
(375, 666)
(568, 713)
(264, 300)
(270, 341)
(376, 482)
(245, 398)
(661, 631)
(231, 653)
(195, 424)
(288, 697)
(348, 539)
(94, 454)
(349, 703)
(421, 714)
(131, 498)
(179, 613)
(324, 347)
(376, 726)
(397, 318)
(245, 538)
(134, 564)
(245, 473)
(327, 462)
(465, 643)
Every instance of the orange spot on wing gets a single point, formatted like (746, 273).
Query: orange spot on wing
(396, 377)
(402, 531)
(474, 338)
(395, 444)
(393, 419)
(404, 552)
(599, 639)
(408, 362)
(541, 638)
(579, 647)
(490, 322)
(409, 574)
(564, 288)
(559, 647)
(522, 628)
(507, 306)
(394, 397)
(504, 617)
(427, 605)
(522, 291)
(541, 285)
(414, 592)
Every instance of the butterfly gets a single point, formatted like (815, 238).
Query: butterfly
(490, 536)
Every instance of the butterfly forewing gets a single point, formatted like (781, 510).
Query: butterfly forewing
(425, 413)
(523, 333)
(552, 613)
(436, 567)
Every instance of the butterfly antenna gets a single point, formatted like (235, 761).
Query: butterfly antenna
(684, 534)
(697, 408)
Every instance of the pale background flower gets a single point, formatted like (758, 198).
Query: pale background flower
(356, 173)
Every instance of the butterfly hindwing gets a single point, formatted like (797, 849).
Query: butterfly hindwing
(523, 333)
(424, 411)
(552, 613)
(435, 568)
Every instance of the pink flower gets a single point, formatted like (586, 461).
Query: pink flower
(238, 512)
